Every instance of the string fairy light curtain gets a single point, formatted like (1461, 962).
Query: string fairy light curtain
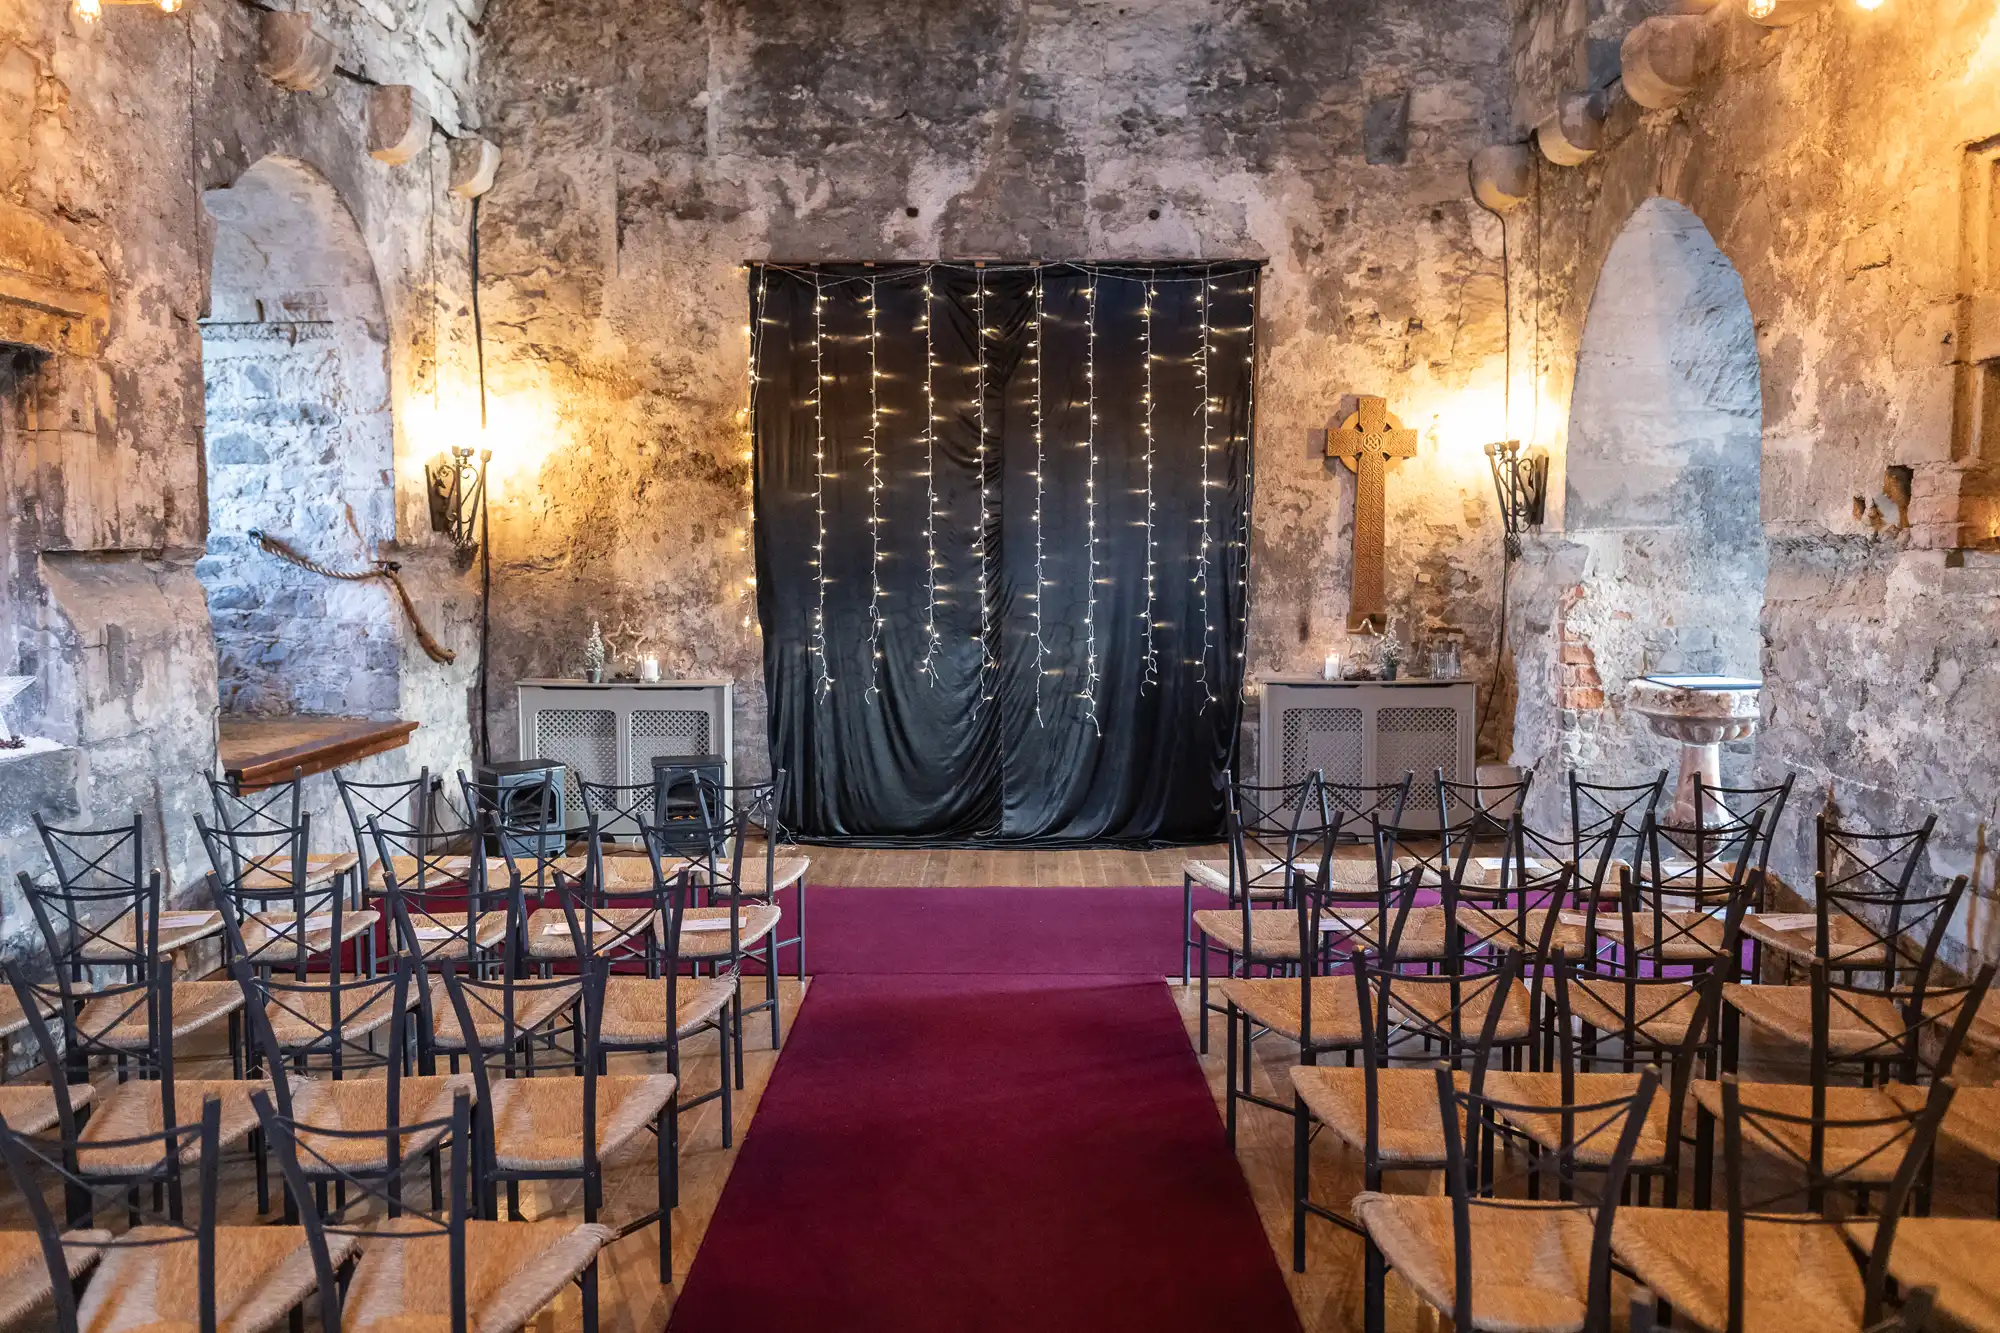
(1001, 520)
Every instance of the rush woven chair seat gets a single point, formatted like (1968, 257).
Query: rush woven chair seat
(441, 935)
(30, 1108)
(1594, 1134)
(352, 1104)
(1277, 1004)
(438, 1272)
(1663, 1021)
(1865, 1146)
(513, 1270)
(550, 937)
(178, 928)
(321, 868)
(537, 1123)
(1431, 1001)
(1951, 1255)
(1794, 937)
(1804, 1277)
(705, 930)
(1498, 1265)
(148, 1281)
(167, 1274)
(1272, 940)
(1530, 1263)
(635, 1008)
(1972, 1123)
(24, 1270)
(1857, 1025)
(1409, 1134)
(113, 1021)
(534, 1008)
(137, 1108)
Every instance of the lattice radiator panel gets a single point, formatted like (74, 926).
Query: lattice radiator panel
(1327, 739)
(584, 741)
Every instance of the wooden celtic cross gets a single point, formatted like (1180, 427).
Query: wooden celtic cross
(1366, 441)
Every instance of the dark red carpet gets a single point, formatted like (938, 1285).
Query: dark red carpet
(1010, 932)
(985, 1152)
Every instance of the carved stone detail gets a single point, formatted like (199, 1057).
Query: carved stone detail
(398, 123)
(1573, 133)
(1502, 175)
(295, 57)
(1664, 58)
(474, 162)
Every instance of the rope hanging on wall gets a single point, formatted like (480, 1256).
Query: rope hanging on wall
(384, 569)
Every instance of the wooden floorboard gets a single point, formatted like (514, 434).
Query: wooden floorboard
(975, 867)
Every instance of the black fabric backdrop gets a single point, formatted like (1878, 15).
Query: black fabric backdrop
(995, 744)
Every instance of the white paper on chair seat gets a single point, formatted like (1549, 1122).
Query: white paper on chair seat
(1788, 920)
(434, 932)
(1498, 863)
(187, 920)
(1333, 921)
(706, 923)
(285, 926)
(1570, 917)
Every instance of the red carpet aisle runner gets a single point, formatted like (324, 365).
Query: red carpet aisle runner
(982, 1151)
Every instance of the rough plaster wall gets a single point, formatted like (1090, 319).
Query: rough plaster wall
(299, 445)
(1662, 491)
(652, 151)
(1825, 159)
(101, 460)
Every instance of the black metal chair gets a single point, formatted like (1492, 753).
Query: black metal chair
(1266, 854)
(556, 1127)
(1261, 818)
(1864, 916)
(1605, 818)
(1386, 1110)
(740, 915)
(130, 1025)
(241, 1277)
(108, 903)
(1483, 1259)
(1762, 1262)
(406, 806)
(1676, 903)
(1731, 808)
(487, 1274)
(290, 915)
(1483, 807)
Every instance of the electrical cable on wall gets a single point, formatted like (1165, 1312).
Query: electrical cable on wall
(485, 523)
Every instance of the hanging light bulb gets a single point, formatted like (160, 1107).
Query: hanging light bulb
(1760, 9)
(169, 6)
(89, 11)
(1869, 5)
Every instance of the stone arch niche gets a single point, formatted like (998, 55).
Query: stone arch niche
(1662, 489)
(299, 445)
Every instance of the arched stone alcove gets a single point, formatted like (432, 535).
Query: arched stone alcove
(1662, 491)
(299, 445)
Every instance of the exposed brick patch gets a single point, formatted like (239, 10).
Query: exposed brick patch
(1580, 689)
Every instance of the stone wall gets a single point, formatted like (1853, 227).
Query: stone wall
(103, 278)
(1833, 162)
(652, 150)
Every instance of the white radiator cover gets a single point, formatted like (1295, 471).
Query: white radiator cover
(1367, 731)
(612, 732)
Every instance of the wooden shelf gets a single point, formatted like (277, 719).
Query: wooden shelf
(263, 751)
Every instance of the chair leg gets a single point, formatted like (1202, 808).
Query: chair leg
(799, 891)
(1228, 1074)
(1374, 1280)
(771, 983)
(722, 1076)
(665, 1185)
(1187, 927)
(1301, 1178)
(738, 1024)
(1203, 949)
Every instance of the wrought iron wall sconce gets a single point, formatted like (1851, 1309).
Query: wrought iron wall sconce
(458, 499)
(1521, 479)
